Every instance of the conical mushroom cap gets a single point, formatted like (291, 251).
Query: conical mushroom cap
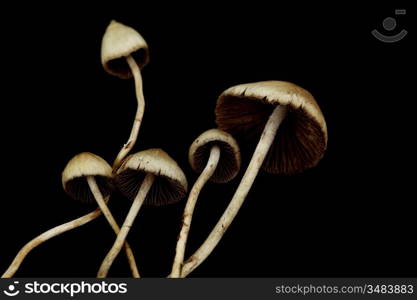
(301, 140)
(120, 41)
(229, 163)
(74, 176)
(170, 184)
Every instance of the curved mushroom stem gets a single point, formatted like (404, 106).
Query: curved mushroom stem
(46, 236)
(139, 113)
(121, 237)
(189, 209)
(265, 142)
(109, 217)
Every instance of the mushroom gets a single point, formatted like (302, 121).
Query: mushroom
(149, 177)
(124, 53)
(216, 156)
(250, 111)
(86, 178)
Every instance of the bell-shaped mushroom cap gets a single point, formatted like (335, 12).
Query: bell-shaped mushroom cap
(229, 163)
(118, 42)
(301, 140)
(74, 176)
(170, 184)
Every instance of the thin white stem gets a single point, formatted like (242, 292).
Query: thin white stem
(139, 112)
(46, 236)
(265, 142)
(121, 237)
(189, 209)
(110, 219)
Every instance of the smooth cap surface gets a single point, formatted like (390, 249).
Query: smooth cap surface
(74, 176)
(120, 41)
(229, 163)
(170, 183)
(301, 140)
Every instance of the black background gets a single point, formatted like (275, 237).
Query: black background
(352, 215)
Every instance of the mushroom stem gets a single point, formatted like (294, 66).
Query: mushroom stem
(189, 209)
(121, 237)
(46, 236)
(139, 112)
(265, 142)
(109, 217)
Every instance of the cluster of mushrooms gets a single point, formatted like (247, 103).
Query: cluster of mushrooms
(283, 118)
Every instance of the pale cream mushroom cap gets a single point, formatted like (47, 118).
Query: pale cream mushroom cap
(229, 162)
(120, 41)
(170, 183)
(78, 168)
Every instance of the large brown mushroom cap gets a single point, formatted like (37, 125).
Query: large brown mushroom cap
(229, 163)
(120, 41)
(170, 184)
(301, 141)
(74, 176)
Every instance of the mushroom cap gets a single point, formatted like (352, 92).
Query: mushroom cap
(170, 184)
(229, 163)
(74, 176)
(301, 140)
(120, 41)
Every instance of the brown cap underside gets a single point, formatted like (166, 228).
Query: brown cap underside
(163, 191)
(78, 188)
(229, 162)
